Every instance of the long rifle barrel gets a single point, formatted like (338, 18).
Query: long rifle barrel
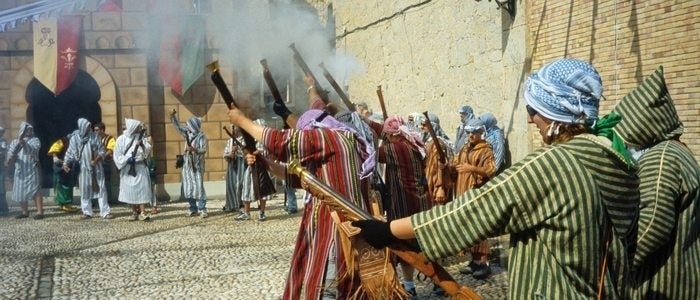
(337, 88)
(381, 102)
(307, 71)
(436, 142)
(231, 103)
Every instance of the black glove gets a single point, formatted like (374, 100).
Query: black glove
(281, 110)
(376, 233)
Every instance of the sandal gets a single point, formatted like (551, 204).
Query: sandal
(38, 216)
(22, 216)
(154, 210)
(108, 217)
(85, 217)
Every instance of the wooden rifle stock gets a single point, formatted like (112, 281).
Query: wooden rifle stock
(381, 102)
(307, 71)
(132, 166)
(401, 249)
(436, 141)
(231, 103)
(337, 88)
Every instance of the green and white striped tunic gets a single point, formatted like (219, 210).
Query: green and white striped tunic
(557, 205)
(667, 261)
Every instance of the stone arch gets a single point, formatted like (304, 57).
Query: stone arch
(20, 108)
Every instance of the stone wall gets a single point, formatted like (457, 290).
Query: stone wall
(626, 41)
(438, 56)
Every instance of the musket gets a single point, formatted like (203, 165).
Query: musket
(401, 249)
(247, 138)
(132, 166)
(307, 71)
(381, 102)
(235, 140)
(436, 141)
(337, 88)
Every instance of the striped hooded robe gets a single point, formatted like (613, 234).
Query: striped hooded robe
(82, 148)
(193, 168)
(26, 176)
(234, 174)
(133, 189)
(666, 264)
(340, 159)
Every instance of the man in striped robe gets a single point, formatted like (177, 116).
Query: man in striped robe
(3, 153)
(130, 154)
(666, 264)
(235, 166)
(471, 168)
(23, 155)
(439, 184)
(86, 149)
(494, 137)
(193, 168)
(339, 157)
(402, 153)
(561, 204)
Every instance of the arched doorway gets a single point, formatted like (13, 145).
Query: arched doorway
(56, 116)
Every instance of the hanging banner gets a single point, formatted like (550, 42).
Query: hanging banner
(182, 52)
(56, 51)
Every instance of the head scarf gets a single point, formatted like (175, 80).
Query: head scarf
(566, 90)
(83, 129)
(354, 121)
(23, 127)
(395, 126)
(475, 124)
(132, 126)
(435, 122)
(466, 109)
(194, 124)
(316, 118)
(569, 91)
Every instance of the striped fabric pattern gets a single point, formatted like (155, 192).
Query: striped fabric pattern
(649, 104)
(193, 168)
(83, 153)
(26, 176)
(331, 156)
(667, 259)
(404, 178)
(553, 204)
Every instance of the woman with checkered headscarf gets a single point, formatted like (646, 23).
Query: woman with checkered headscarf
(570, 207)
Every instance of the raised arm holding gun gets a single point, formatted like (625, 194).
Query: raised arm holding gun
(192, 172)
(333, 152)
(307, 71)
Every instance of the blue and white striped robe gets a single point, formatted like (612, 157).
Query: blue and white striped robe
(26, 177)
(91, 147)
(192, 178)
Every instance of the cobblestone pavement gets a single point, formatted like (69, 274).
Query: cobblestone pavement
(169, 257)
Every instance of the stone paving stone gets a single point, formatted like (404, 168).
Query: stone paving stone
(169, 257)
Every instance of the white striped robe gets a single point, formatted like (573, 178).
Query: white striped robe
(133, 189)
(93, 146)
(26, 177)
(192, 178)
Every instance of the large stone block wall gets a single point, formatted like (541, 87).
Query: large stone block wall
(438, 56)
(626, 41)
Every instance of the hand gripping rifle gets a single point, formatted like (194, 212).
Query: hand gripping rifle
(337, 88)
(401, 249)
(381, 102)
(307, 71)
(247, 138)
(132, 166)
